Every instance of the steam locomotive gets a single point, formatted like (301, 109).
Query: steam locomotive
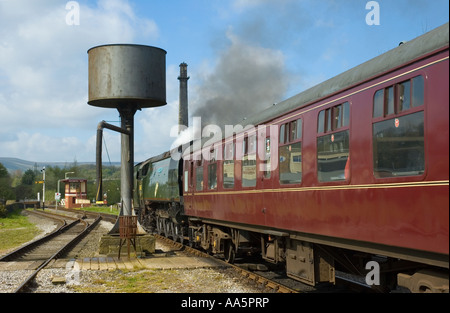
(350, 173)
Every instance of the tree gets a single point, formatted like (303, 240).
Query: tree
(6, 191)
(28, 178)
(26, 188)
(16, 178)
(24, 192)
(3, 171)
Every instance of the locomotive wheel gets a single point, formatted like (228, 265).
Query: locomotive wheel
(178, 234)
(160, 226)
(170, 233)
(229, 252)
(191, 237)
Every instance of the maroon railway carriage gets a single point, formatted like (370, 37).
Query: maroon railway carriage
(353, 170)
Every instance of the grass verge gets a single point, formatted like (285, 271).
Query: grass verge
(15, 229)
(132, 281)
(102, 209)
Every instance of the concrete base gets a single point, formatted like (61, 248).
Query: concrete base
(109, 245)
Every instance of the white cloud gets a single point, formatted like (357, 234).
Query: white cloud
(37, 146)
(241, 5)
(244, 5)
(154, 125)
(44, 73)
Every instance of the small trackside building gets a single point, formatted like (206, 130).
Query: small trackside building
(75, 193)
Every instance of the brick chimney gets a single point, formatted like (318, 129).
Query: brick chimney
(183, 109)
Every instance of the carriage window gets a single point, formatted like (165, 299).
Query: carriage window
(398, 140)
(199, 176)
(267, 159)
(378, 103)
(333, 118)
(228, 165)
(293, 131)
(321, 122)
(251, 144)
(249, 161)
(389, 101)
(333, 149)
(408, 94)
(291, 163)
(212, 176)
(191, 171)
(333, 156)
(328, 120)
(299, 129)
(213, 155)
(290, 155)
(398, 146)
(404, 96)
(418, 91)
(212, 169)
(282, 133)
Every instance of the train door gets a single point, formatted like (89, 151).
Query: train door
(266, 166)
(188, 185)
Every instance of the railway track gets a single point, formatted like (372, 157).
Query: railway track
(249, 275)
(79, 212)
(42, 251)
(273, 280)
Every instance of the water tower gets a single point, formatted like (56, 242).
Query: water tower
(128, 78)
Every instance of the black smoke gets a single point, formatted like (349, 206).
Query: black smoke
(250, 73)
(246, 80)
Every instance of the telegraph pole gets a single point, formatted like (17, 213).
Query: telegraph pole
(43, 188)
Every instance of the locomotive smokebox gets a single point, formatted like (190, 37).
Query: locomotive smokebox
(127, 75)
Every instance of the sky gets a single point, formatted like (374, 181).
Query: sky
(242, 56)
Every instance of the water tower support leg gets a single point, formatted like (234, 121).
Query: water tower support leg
(127, 158)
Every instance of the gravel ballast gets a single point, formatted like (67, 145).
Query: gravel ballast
(73, 280)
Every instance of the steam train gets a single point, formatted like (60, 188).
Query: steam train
(350, 173)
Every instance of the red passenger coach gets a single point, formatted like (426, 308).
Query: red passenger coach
(363, 167)
(348, 174)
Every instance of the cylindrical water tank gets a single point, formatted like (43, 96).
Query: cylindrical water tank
(126, 74)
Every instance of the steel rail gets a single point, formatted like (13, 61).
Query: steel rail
(278, 287)
(88, 227)
(24, 249)
(105, 216)
(266, 282)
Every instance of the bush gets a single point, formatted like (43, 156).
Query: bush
(9, 206)
(3, 210)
